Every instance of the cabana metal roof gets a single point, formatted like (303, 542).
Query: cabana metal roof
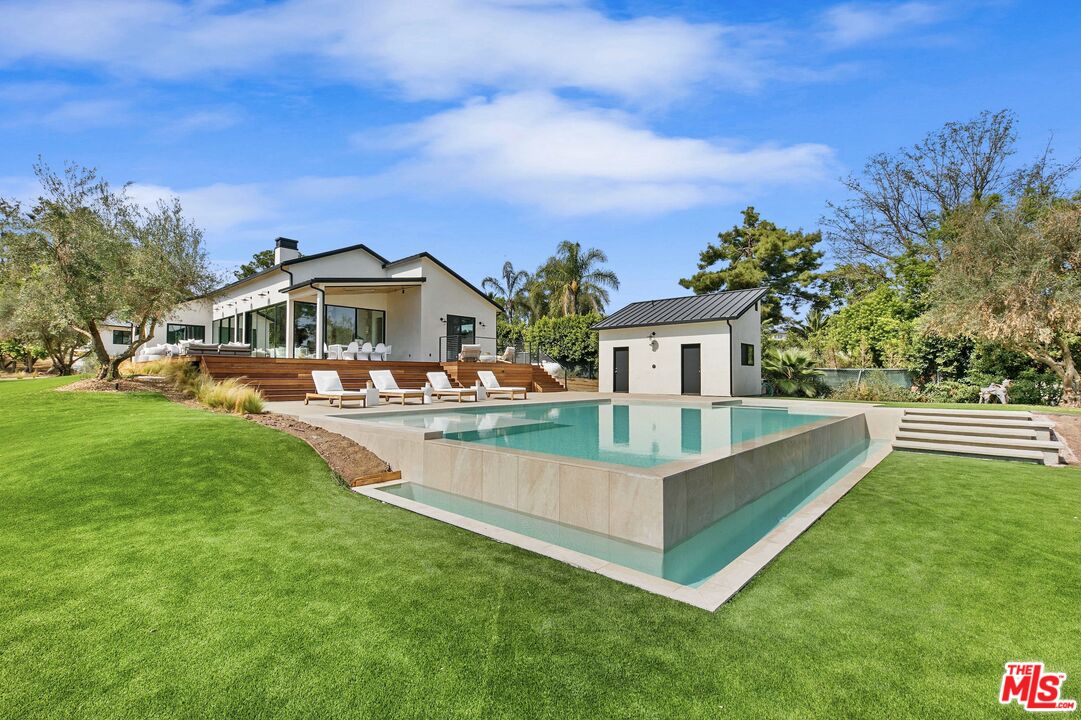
(727, 305)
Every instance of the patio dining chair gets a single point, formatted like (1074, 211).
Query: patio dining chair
(365, 352)
(380, 352)
(350, 353)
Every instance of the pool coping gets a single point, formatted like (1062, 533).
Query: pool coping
(710, 595)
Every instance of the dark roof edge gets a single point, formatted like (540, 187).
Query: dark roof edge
(301, 259)
(443, 265)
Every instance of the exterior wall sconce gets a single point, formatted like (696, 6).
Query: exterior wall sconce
(653, 344)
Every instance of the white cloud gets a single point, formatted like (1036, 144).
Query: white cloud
(221, 208)
(81, 114)
(536, 149)
(436, 49)
(855, 23)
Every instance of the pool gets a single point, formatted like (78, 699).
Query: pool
(692, 561)
(634, 434)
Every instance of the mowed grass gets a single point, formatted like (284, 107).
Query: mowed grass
(161, 561)
(1043, 409)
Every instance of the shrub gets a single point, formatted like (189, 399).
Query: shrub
(873, 387)
(1029, 386)
(950, 391)
(792, 372)
(569, 339)
(229, 394)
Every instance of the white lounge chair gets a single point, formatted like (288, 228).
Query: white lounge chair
(328, 386)
(508, 354)
(469, 353)
(493, 388)
(388, 387)
(441, 387)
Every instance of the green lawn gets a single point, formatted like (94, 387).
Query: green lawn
(1048, 409)
(160, 561)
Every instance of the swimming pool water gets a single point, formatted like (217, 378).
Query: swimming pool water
(691, 562)
(638, 434)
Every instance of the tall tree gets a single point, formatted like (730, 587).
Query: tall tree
(577, 280)
(105, 258)
(262, 260)
(1012, 275)
(508, 290)
(760, 254)
(891, 228)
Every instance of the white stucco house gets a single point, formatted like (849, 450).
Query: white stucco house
(417, 305)
(697, 345)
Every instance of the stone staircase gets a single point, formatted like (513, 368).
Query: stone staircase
(999, 434)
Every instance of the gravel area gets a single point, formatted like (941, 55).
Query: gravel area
(1068, 430)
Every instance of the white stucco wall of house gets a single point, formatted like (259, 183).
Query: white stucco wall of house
(444, 294)
(413, 325)
(659, 370)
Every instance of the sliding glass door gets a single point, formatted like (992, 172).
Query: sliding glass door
(343, 325)
(265, 330)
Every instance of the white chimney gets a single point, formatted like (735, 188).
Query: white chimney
(285, 250)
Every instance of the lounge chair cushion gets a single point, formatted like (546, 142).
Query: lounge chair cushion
(440, 381)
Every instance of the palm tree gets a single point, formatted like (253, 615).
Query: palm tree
(509, 290)
(791, 372)
(576, 279)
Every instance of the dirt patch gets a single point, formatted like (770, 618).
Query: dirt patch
(343, 455)
(1068, 431)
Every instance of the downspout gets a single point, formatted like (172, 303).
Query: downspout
(731, 361)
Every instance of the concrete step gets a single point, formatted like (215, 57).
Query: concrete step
(1011, 414)
(970, 450)
(1018, 443)
(979, 422)
(961, 430)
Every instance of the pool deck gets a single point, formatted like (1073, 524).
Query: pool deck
(881, 424)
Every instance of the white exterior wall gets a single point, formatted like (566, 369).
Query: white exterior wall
(196, 312)
(747, 329)
(445, 294)
(413, 326)
(660, 371)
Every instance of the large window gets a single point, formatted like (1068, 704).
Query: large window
(265, 330)
(343, 326)
(174, 333)
(222, 330)
(121, 337)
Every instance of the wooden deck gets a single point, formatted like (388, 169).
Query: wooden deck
(289, 379)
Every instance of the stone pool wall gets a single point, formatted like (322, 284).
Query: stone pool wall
(657, 507)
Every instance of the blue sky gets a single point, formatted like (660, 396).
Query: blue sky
(486, 131)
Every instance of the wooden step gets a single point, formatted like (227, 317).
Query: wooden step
(970, 450)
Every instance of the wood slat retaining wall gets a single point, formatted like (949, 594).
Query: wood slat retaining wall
(290, 378)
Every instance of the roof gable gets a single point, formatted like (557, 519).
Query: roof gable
(727, 305)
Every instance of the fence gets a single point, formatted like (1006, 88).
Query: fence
(835, 377)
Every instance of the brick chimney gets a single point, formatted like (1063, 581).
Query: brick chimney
(285, 250)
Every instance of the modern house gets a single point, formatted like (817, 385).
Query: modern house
(417, 305)
(696, 345)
